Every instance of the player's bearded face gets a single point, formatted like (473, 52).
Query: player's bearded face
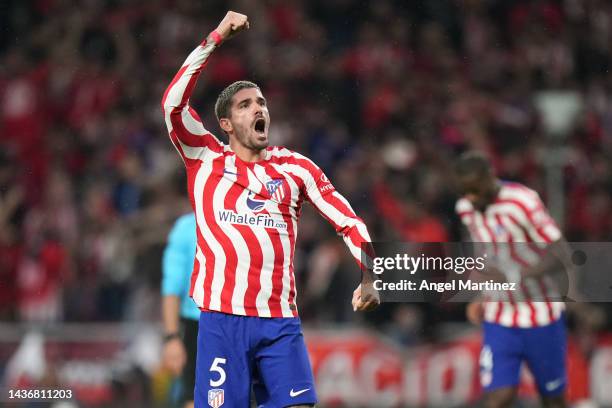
(250, 119)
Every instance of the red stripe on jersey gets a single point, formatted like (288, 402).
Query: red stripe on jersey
(230, 200)
(530, 242)
(175, 141)
(230, 252)
(190, 139)
(500, 307)
(177, 145)
(352, 232)
(474, 231)
(528, 298)
(194, 276)
(277, 272)
(178, 76)
(192, 83)
(286, 201)
(307, 165)
(514, 308)
(334, 201)
(513, 254)
(292, 235)
(195, 115)
(551, 315)
(491, 234)
(253, 283)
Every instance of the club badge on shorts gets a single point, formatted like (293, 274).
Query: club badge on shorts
(215, 398)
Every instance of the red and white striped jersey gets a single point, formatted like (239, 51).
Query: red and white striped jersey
(247, 213)
(516, 216)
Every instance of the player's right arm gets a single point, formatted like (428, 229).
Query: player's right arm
(184, 125)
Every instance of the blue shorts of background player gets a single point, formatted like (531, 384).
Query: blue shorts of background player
(235, 352)
(543, 348)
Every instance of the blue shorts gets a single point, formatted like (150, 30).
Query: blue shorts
(542, 348)
(235, 352)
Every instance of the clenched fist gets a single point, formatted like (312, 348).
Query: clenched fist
(475, 312)
(365, 298)
(232, 24)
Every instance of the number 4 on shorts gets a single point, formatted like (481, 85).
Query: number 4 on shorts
(216, 367)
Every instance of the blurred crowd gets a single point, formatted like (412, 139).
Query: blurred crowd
(383, 95)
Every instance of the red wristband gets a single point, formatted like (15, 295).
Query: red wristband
(216, 37)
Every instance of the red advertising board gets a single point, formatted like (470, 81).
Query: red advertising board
(358, 369)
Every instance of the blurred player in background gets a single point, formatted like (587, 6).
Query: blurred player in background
(247, 199)
(180, 314)
(523, 326)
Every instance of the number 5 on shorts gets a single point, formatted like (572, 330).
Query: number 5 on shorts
(216, 367)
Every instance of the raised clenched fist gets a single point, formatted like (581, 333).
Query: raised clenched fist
(232, 24)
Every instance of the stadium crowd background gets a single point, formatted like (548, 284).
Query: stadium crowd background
(383, 95)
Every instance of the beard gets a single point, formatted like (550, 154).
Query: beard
(251, 139)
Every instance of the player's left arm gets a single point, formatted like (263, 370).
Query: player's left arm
(338, 212)
(541, 229)
(556, 256)
(177, 262)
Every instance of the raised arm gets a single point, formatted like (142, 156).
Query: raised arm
(184, 125)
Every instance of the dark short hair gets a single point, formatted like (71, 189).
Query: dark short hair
(473, 163)
(224, 100)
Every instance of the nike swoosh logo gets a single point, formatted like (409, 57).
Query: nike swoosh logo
(229, 172)
(296, 393)
(552, 385)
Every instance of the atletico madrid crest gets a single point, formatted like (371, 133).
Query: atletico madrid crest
(216, 397)
(275, 189)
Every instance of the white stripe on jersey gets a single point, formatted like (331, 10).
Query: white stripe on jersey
(490, 312)
(507, 314)
(218, 272)
(517, 235)
(192, 152)
(192, 125)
